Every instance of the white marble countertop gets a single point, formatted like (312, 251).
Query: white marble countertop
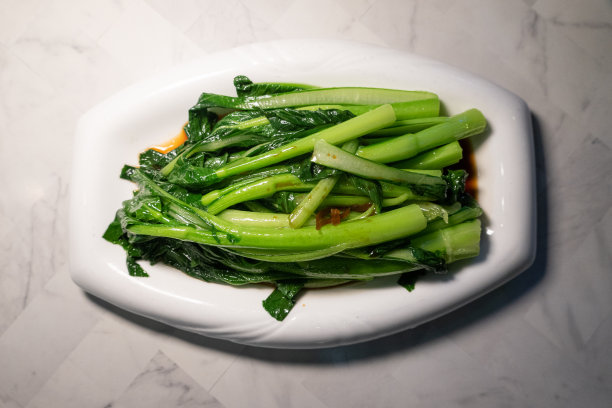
(542, 340)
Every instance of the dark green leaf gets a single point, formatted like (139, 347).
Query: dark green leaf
(408, 279)
(134, 269)
(455, 181)
(294, 119)
(191, 176)
(431, 261)
(155, 160)
(308, 171)
(201, 122)
(284, 201)
(113, 232)
(127, 172)
(207, 263)
(282, 299)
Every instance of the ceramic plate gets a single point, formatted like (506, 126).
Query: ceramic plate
(113, 133)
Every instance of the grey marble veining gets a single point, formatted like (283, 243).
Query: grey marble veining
(544, 339)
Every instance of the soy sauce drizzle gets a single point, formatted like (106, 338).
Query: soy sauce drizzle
(468, 163)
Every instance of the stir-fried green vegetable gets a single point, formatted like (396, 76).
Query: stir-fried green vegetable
(305, 187)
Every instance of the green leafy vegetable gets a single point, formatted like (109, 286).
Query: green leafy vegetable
(303, 187)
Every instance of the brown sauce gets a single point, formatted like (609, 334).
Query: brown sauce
(468, 163)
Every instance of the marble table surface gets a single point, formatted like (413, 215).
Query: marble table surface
(542, 340)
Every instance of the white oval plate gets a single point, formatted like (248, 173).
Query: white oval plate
(113, 133)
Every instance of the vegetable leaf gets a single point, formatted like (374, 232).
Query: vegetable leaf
(134, 269)
(280, 302)
(201, 122)
(292, 119)
(455, 181)
(408, 279)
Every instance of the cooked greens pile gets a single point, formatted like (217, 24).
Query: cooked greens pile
(304, 187)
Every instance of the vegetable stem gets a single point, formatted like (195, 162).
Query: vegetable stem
(402, 127)
(457, 242)
(340, 133)
(395, 224)
(460, 126)
(345, 95)
(437, 158)
(334, 157)
(254, 190)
